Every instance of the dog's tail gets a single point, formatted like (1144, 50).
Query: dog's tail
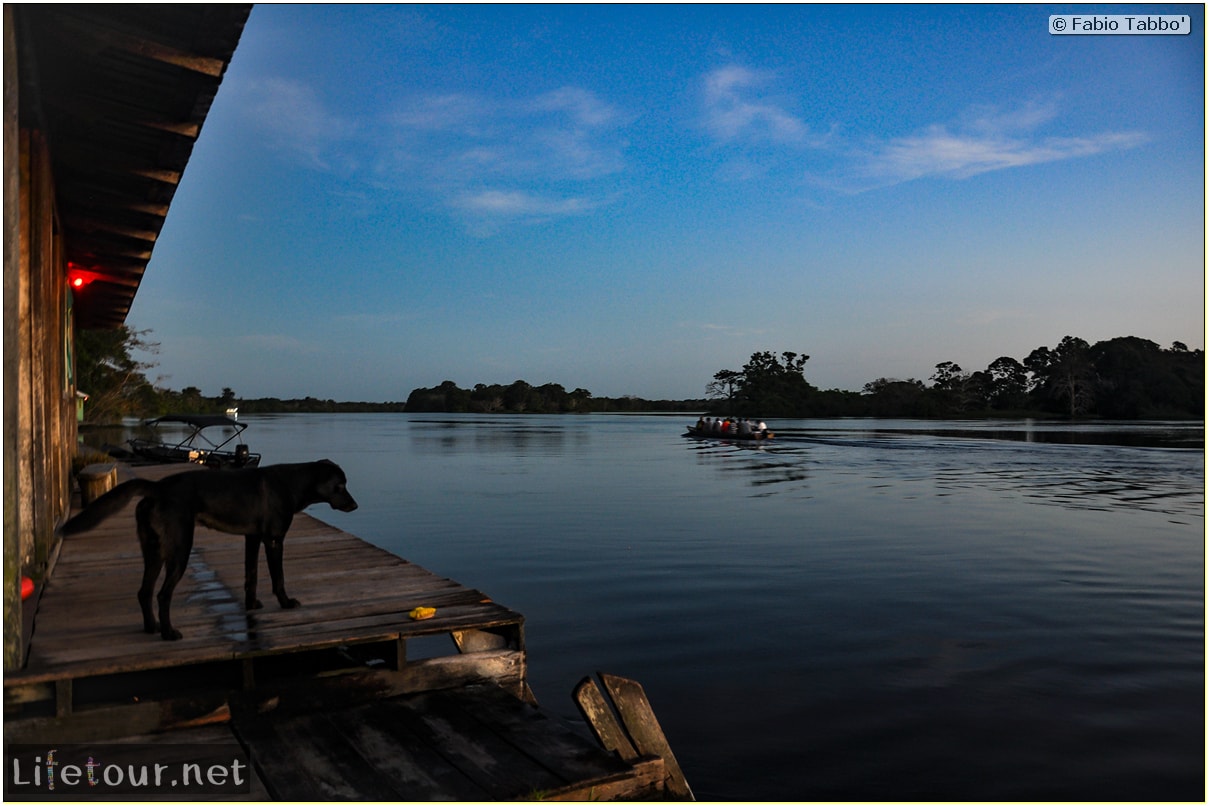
(108, 504)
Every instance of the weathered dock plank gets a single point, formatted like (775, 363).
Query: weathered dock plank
(472, 744)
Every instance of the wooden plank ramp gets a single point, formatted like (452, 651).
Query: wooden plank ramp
(473, 743)
(324, 698)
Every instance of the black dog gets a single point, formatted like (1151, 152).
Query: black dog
(257, 502)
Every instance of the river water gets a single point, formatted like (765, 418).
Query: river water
(860, 609)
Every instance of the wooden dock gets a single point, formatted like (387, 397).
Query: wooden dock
(324, 698)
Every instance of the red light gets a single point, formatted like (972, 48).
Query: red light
(78, 276)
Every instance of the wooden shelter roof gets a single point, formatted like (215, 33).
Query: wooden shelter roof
(121, 93)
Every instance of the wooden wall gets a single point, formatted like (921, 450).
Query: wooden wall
(39, 400)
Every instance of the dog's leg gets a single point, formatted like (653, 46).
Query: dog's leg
(153, 562)
(251, 558)
(272, 553)
(176, 561)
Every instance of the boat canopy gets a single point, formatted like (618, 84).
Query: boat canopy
(199, 420)
(198, 423)
(199, 444)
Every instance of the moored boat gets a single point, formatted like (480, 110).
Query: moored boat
(200, 444)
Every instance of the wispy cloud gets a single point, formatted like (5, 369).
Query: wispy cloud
(582, 107)
(291, 116)
(741, 107)
(939, 151)
(487, 211)
(726, 331)
(459, 112)
(497, 161)
(503, 160)
(737, 106)
(277, 343)
(519, 204)
(983, 140)
(524, 160)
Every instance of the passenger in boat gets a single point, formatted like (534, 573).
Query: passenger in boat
(745, 427)
(715, 427)
(761, 428)
(701, 423)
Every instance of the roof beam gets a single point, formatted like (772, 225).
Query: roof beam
(140, 46)
(96, 161)
(85, 224)
(159, 210)
(158, 174)
(82, 107)
(189, 130)
(93, 245)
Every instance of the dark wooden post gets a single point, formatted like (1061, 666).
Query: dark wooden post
(96, 480)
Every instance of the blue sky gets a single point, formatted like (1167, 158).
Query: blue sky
(630, 198)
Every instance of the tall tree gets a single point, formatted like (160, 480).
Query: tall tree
(1037, 365)
(771, 386)
(1008, 383)
(956, 391)
(111, 377)
(1065, 374)
(723, 386)
(948, 376)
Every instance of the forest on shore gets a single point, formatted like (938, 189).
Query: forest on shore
(1121, 378)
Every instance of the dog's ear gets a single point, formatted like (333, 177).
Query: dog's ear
(332, 466)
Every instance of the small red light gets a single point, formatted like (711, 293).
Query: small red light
(79, 277)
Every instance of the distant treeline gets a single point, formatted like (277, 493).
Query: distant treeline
(1121, 378)
(519, 397)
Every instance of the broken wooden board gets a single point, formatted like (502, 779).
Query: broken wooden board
(600, 717)
(629, 727)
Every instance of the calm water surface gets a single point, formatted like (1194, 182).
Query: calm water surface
(860, 610)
